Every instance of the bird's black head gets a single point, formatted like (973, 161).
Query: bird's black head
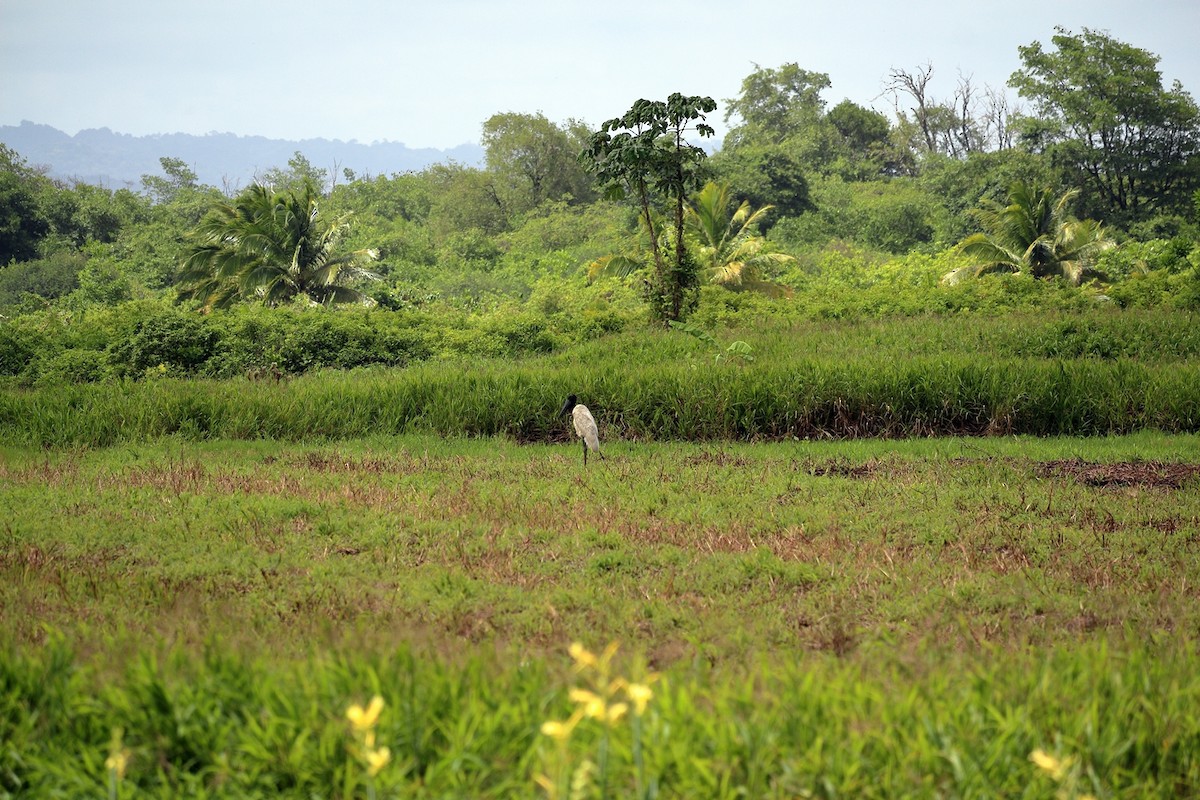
(572, 401)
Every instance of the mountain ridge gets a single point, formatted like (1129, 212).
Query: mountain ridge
(230, 161)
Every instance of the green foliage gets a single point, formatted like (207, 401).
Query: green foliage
(102, 283)
(729, 248)
(765, 176)
(174, 340)
(645, 153)
(180, 178)
(969, 375)
(464, 198)
(21, 226)
(783, 125)
(299, 176)
(962, 185)
(54, 276)
(1105, 117)
(1034, 233)
(895, 216)
(535, 161)
(149, 339)
(271, 246)
(775, 105)
(737, 351)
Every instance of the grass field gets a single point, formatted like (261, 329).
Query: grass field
(836, 619)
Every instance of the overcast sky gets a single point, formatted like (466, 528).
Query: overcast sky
(429, 73)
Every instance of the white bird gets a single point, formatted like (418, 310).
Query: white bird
(585, 426)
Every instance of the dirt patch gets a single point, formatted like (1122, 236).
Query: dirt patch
(1122, 473)
(718, 458)
(839, 468)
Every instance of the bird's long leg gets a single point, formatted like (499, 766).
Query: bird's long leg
(584, 453)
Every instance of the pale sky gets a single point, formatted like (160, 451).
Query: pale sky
(429, 73)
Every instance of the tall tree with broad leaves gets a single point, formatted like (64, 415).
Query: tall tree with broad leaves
(271, 246)
(535, 160)
(1034, 233)
(645, 153)
(1105, 118)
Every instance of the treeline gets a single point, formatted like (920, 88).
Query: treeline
(1089, 180)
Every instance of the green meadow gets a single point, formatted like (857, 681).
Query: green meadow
(828, 570)
(901, 425)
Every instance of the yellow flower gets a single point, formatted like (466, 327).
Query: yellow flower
(364, 719)
(561, 730)
(615, 712)
(1056, 767)
(591, 703)
(118, 762)
(639, 694)
(583, 657)
(377, 760)
(556, 730)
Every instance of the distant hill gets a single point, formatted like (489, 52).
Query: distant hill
(225, 160)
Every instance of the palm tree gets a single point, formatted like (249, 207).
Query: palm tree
(728, 247)
(272, 246)
(1034, 233)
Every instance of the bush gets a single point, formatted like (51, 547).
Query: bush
(18, 346)
(174, 339)
(56, 275)
(74, 366)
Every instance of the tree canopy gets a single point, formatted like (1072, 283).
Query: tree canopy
(646, 153)
(272, 246)
(1108, 122)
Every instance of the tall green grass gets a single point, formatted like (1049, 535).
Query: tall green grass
(222, 726)
(701, 400)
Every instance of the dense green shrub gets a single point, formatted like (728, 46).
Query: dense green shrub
(74, 366)
(18, 346)
(56, 275)
(172, 339)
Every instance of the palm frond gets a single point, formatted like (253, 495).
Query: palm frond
(613, 266)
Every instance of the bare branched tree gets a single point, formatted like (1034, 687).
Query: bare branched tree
(997, 119)
(913, 84)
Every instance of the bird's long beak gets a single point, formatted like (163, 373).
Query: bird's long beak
(566, 407)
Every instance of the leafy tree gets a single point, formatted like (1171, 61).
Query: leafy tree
(645, 153)
(893, 215)
(731, 252)
(101, 282)
(50, 277)
(179, 178)
(406, 196)
(1104, 116)
(775, 104)
(299, 174)
(1034, 233)
(463, 197)
(960, 185)
(22, 227)
(535, 159)
(865, 142)
(765, 175)
(272, 246)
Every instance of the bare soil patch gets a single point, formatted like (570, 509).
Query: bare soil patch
(1159, 474)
